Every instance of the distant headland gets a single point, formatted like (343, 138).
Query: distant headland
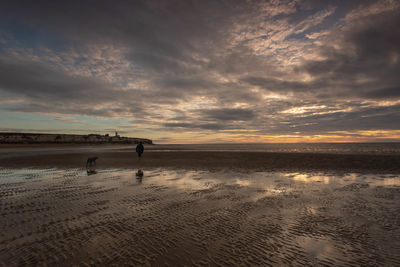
(40, 138)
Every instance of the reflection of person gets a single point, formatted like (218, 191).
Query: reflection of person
(140, 149)
(91, 161)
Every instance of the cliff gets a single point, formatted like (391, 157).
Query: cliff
(35, 138)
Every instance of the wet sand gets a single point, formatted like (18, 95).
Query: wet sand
(161, 156)
(197, 212)
(198, 218)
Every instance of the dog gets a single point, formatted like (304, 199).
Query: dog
(139, 174)
(91, 161)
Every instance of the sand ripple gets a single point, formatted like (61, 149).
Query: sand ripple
(63, 217)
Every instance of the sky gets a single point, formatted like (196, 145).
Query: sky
(203, 71)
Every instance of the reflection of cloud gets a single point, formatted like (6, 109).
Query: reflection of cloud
(317, 248)
(307, 178)
(243, 182)
(391, 181)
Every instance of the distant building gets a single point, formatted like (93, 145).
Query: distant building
(31, 138)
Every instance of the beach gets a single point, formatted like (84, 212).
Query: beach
(197, 207)
(195, 158)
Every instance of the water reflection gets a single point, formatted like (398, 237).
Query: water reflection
(257, 183)
(310, 178)
(317, 248)
(390, 182)
(332, 179)
(294, 218)
(265, 183)
(243, 182)
(91, 172)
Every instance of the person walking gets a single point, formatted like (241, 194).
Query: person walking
(140, 150)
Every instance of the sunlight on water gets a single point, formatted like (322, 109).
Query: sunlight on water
(336, 148)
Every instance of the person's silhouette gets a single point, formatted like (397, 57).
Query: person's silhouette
(140, 149)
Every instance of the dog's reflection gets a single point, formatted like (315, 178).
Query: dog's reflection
(90, 172)
(139, 176)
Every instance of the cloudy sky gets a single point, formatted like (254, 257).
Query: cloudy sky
(203, 71)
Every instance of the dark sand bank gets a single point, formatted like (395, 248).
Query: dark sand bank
(126, 157)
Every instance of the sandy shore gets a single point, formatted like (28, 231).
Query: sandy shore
(197, 208)
(154, 157)
(63, 217)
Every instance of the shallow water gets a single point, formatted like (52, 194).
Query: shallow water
(63, 217)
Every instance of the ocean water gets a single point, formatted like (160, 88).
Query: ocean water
(336, 148)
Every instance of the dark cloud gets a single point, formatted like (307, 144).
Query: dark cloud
(186, 83)
(214, 119)
(160, 36)
(376, 38)
(384, 93)
(40, 81)
(228, 114)
(201, 126)
(47, 89)
(179, 125)
(364, 62)
(276, 85)
(359, 61)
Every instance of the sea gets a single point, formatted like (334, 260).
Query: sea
(392, 148)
